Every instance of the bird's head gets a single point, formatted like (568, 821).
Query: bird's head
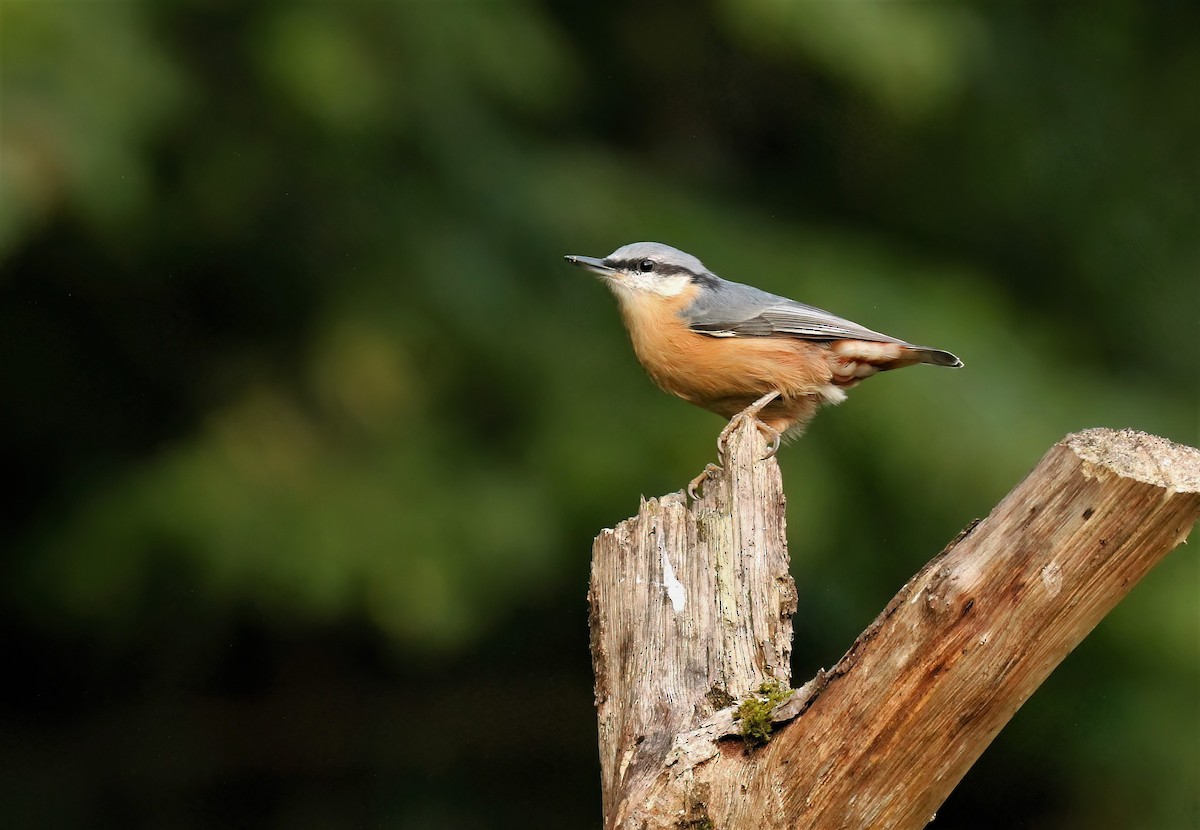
(646, 268)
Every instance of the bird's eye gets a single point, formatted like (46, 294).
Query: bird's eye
(646, 266)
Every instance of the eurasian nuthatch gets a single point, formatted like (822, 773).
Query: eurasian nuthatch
(733, 349)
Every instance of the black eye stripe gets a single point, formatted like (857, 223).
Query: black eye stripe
(662, 269)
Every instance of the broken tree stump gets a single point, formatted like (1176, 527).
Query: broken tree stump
(691, 611)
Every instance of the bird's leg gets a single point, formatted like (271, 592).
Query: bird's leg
(773, 435)
(751, 412)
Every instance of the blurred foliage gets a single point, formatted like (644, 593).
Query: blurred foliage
(306, 417)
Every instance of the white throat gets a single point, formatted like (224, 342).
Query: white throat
(639, 283)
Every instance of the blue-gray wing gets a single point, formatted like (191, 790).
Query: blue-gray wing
(730, 309)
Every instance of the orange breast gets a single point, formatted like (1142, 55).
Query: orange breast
(723, 374)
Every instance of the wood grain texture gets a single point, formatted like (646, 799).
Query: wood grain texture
(690, 607)
(881, 739)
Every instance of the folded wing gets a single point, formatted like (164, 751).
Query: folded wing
(730, 309)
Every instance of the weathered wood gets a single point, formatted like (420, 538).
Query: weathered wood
(881, 739)
(691, 607)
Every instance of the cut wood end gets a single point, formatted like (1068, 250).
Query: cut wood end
(1140, 456)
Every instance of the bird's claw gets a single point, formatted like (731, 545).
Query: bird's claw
(723, 438)
(774, 436)
(695, 485)
(775, 439)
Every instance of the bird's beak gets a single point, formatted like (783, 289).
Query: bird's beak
(592, 264)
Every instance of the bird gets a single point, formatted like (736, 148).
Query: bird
(739, 351)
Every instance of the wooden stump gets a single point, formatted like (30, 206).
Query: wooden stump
(691, 611)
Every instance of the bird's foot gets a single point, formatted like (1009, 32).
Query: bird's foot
(774, 437)
(696, 484)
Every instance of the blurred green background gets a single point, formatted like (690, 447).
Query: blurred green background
(308, 427)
